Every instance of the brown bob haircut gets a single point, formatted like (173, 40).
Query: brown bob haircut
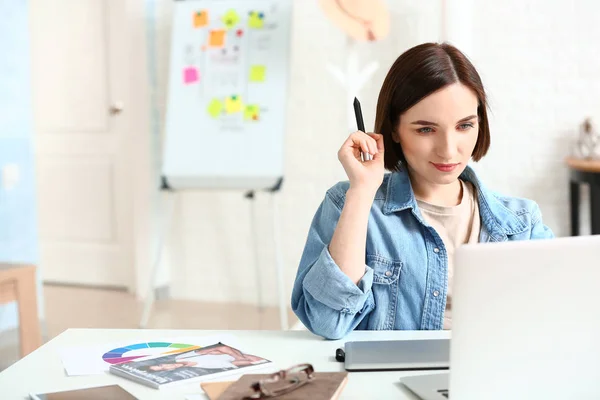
(417, 73)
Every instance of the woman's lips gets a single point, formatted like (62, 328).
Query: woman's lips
(445, 167)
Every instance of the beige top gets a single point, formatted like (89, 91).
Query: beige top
(456, 225)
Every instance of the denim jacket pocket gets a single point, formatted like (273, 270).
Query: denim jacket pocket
(385, 271)
(386, 275)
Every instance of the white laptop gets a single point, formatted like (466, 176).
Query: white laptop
(526, 323)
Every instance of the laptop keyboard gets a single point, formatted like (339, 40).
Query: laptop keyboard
(444, 392)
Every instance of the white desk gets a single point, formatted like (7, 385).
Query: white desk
(42, 371)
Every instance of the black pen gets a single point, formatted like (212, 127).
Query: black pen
(361, 126)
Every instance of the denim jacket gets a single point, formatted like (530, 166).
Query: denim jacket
(405, 282)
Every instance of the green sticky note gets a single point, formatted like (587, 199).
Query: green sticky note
(257, 73)
(230, 19)
(215, 108)
(251, 112)
(256, 19)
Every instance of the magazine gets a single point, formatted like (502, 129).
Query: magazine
(197, 365)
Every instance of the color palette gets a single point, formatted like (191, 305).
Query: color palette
(140, 350)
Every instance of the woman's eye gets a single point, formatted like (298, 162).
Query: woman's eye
(424, 130)
(464, 127)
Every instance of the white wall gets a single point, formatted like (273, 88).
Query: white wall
(540, 63)
(536, 61)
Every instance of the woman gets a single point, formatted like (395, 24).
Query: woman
(380, 248)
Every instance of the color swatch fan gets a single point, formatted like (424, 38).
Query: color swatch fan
(142, 350)
(97, 359)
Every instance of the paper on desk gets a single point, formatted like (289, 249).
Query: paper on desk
(96, 359)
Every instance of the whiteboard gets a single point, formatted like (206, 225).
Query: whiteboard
(227, 92)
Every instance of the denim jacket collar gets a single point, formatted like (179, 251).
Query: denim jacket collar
(496, 219)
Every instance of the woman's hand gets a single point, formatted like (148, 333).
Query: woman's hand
(363, 175)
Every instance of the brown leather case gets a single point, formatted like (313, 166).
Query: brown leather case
(325, 386)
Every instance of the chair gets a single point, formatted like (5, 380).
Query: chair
(18, 283)
(584, 172)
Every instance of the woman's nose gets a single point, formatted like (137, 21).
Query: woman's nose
(446, 146)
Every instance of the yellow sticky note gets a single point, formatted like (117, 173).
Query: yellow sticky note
(257, 73)
(200, 18)
(216, 38)
(256, 19)
(251, 112)
(230, 19)
(215, 107)
(233, 104)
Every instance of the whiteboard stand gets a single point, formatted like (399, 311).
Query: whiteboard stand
(168, 198)
(250, 195)
(228, 78)
(283, 317)
(165, 223)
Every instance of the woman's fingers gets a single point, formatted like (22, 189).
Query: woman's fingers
(378, 141)
(368, 143)
(380, 147)
(365, 142)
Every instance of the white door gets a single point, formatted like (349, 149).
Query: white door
(79, 83)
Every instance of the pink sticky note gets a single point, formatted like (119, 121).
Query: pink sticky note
(190, 75)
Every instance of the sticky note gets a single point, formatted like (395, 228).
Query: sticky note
(216, 38)
(200, 18)
(257, 73)
(190, 75)
(256, 19)
(215, 107)
(251, 112)
(230, 19)
(233, 104)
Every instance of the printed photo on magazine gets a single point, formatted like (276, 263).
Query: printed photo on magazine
(191, 366)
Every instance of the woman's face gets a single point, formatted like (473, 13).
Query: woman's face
(438, 134)
(166, 367)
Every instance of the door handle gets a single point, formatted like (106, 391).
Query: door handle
(117, 107)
